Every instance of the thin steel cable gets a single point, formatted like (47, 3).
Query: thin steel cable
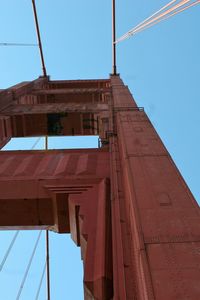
(152, 21)
(33, 253)
(41, 281)
(46, 142)
(8, 251)
(19, 44)
(10, 247)
(28, 266)
(48, 266)
(47, 246)
(36, 142)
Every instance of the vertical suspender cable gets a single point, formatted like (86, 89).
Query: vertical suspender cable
(47, 265)
(114, 66)
(39, 38)
(28, 266)
(47, 245)
(46, 142)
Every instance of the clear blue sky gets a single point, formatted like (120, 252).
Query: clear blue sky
(161, 66)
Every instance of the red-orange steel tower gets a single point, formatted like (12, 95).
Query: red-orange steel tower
(125, 203)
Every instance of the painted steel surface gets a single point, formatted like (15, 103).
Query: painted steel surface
(125, 203)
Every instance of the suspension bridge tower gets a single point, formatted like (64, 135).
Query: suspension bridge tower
(125, 204)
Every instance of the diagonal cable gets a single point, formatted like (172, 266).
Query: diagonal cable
(10, 247)
(36, 142)
(8, 250)
(28, 266)
(41, 281)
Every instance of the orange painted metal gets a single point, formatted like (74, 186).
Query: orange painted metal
(155, 214)
(125, 204)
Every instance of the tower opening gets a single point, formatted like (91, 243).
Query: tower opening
(53, 142)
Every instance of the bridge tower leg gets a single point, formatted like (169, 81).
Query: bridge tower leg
(125, 204)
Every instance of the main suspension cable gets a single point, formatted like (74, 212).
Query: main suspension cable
(169, 16)
(8, 250)
(153, 15)
(151, 20)
(39, 38)
(114, 57)
(28, 266)
(168, 11)
(159, 16)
